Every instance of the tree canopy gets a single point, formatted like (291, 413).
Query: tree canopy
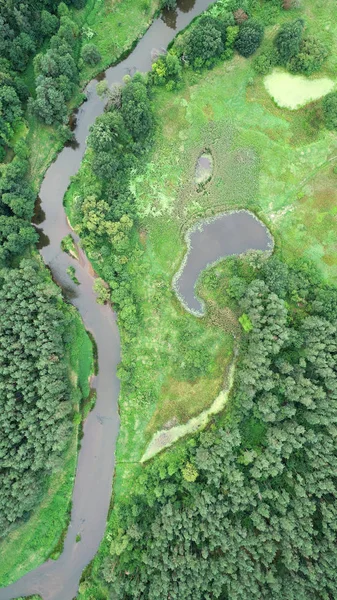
(35, 411)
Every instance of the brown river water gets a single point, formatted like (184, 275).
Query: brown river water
(59, 580)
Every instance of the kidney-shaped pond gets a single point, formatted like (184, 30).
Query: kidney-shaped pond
(211, 240)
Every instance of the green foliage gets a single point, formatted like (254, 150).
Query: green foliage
(166, 68)
(264, 62)
(90, 54)
(246, 323)
(16, 235)
(329, 106)
(72, 274)
(57, 75)
(249, 38)
(288, 40)
(205, 42)
(189, 472)
(35, 406)
(102, 291)
(169, 4)
(16, 194)
(136, 110)
(310, 57)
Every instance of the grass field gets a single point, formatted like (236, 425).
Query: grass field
(114, 26)
(31, 543)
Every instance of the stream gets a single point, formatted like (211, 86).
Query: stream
(59, 580)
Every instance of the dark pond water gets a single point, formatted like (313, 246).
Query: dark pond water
(58, 580)
(209, 241)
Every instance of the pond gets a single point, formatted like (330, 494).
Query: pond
(204, 168)
(295, 91)
(212, 240)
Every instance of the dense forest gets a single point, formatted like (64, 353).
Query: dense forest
(248, 508)
(35, 408)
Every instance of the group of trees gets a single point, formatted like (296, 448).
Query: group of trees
(329, 106)
(13, 93)
(104, 213)
(35, 405)
(57, 74)
(247, 510)
(295, 49)
(212, 38)
(23, 29)
(35, 415)
(298, 51)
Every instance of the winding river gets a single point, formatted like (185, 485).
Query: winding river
(59, 580)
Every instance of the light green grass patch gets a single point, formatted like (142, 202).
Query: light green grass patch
(294, 91)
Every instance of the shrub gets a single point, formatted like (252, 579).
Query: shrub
(288, 40)
(90, 54)
(312, 54)
(204, 42)
(166, 68)
(264, 63)
(249, 38)
(329, 105)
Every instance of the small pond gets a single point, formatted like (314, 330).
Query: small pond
(204, 168)
(211, 240)
(294, 91)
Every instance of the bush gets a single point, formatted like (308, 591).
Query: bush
(264, 63)
(166, 68)
(240, 16)
(205, 42)
(288, 40)
(329, 105)
(249, 38)
(312, 54)
(90, 54)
